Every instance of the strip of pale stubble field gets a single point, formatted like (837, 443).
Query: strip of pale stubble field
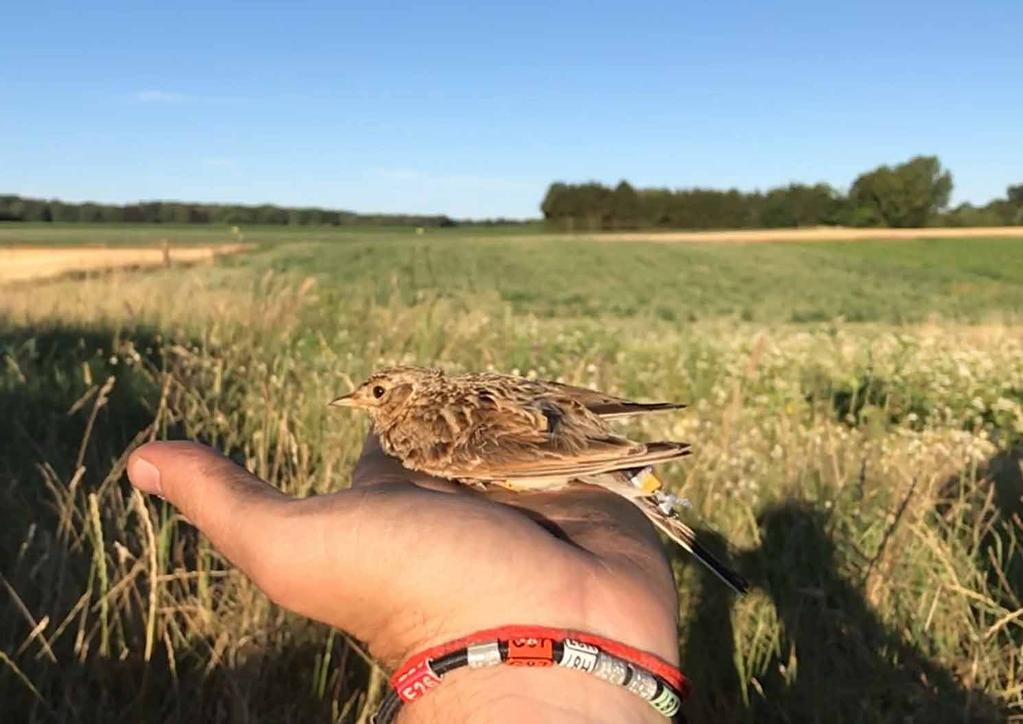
(19, 264)
(817, 233)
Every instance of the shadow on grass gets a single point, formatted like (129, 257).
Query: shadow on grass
(51, 578)
(1005, 567)
(708, 653)
(995, 491)
(837, 661)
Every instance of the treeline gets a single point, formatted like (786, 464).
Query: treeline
(17, 208)
(914, 193)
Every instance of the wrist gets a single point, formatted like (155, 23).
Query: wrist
(645, 623)
(512, 694)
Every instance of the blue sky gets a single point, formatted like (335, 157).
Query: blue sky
(471, 109)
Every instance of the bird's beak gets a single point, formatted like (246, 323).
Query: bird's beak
(344, 401)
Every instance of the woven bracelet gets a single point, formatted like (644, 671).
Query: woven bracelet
(658, 683)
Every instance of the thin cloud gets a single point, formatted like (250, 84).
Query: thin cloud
(220, 162)
(426, 177)
(159, 96)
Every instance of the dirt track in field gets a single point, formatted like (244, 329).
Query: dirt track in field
(819, 233)
(29, 263)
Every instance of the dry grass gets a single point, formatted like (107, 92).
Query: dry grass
(864, 473)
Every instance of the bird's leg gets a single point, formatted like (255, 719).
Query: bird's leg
(646, 482)
(669, 503)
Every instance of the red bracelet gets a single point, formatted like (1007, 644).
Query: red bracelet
(653, 663)
(662, 685)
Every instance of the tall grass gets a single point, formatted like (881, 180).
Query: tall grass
(867, 476)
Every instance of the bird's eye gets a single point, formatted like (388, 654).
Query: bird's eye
(378, 392)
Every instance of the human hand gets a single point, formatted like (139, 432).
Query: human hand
(403, 561)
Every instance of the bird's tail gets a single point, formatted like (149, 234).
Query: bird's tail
(672, 526)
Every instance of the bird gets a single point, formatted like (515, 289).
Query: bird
(487, 428)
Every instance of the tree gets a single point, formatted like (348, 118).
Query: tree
(625, 209)
(90, 213)
(800, 205)
(593, 206)
(62, 212)
(655, 207)
(909, 194)
(996, 213)
(553, 204)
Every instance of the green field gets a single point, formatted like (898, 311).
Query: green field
(904, 281)
(51, 234)
(856, 412)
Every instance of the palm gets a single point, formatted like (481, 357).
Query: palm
(402, 560)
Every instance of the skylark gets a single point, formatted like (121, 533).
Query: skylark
(493, 429)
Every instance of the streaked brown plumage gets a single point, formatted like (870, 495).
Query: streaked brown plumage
(522, 434)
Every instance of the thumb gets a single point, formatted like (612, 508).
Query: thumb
(224, 501)
(310, 556)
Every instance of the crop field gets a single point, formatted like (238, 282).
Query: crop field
(856, 414)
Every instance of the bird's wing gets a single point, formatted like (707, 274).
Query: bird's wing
(597, 402)
(609, 406)
(521, 436)
(525, 463)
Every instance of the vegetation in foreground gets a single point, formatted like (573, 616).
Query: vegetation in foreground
(867, 473)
